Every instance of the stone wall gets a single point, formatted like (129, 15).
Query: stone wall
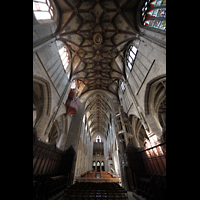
(150, 64)
(49, 72)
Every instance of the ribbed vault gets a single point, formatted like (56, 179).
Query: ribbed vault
(97, 111)
(97, 33)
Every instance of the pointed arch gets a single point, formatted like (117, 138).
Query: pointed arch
(148, 92)
(42, 99)
(138, 130)
(47, 96)
(155, 104)
(45, 11)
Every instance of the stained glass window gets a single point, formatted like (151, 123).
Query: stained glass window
(64, 57)
(158, 12)
(156, 24)
(154, 14)
(43, 9)
(131, 56)
(98, 138)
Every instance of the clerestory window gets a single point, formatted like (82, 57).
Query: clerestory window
(154, 14)
(43, 9)
(131, 55)
(98, 138)
(64, 57)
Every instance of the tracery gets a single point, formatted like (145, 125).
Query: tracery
(154, 14)
(64, 57)
(131, 56)
(43, 9)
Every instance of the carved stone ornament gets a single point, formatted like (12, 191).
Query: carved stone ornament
(97, 38)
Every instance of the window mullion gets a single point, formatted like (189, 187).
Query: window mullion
(62, 54)
(155, 7)
(40, 11)
(40, 2)
(157, 18)
(42, 6)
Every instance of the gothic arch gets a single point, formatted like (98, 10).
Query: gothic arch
(98, 102)
(139, 17)
(66, 65)
(134, 43)
(138, 130)
(46, 89)
(155, 101)
(52, 6)
(149, 88)
(38, 102)
(93, 138)
(42, 101)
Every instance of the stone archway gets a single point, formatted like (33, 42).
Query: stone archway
(155, 105)
(42, 104)
(138, 130)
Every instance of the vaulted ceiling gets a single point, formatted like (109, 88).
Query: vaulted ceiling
(96, 33)
(97, 111)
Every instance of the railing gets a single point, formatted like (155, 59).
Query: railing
(147, 167)
(154, 159)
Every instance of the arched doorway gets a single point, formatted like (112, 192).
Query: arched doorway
(93, 165)
(41, 105)
(138, 130)
(98, 166)
(155, 103)
(102, 166)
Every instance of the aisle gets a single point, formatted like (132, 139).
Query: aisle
(98, 175)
